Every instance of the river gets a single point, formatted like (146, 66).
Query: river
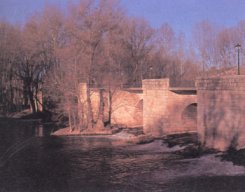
(31, 160)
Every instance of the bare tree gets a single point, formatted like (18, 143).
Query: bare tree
(216, 45)
(137, 45)
(10, 94)
(81, 58)
(205, 34)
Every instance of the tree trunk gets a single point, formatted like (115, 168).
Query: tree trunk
(69, 116)
(90, 117)
(25, 94)
(100, 118)
(101, 107)
(32, 100)
(110, 106)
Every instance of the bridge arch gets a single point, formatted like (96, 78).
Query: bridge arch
(189, 116)
(139, 105)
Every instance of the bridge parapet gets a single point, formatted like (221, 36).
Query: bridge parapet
(221, 83)
(155, 84)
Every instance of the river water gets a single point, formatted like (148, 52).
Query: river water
(31, 160)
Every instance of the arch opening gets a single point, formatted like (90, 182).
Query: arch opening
(189, 117)
(139, 105)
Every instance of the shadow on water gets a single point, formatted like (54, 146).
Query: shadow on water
(208, 184)
(235, 156)
(34, 161)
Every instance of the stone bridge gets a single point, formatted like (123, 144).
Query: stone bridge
(219, 118)
(157, 107)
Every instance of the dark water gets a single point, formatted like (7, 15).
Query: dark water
(30, 160)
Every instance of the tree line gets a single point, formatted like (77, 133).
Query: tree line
(97, 43)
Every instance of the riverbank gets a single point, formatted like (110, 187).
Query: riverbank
(27, 115)
(126, 135)
(129, 135)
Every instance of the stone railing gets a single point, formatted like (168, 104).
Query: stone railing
(152, 84)
(221, 83)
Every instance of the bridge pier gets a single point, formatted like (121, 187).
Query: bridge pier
(155, 96)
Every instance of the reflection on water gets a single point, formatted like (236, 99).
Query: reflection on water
(39, 130)
(34, 161)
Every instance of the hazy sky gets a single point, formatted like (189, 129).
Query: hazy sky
(180, 14)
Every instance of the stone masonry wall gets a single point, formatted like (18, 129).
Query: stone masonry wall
(181, 112)
(160, 110)
(155, 96)
(127, 108)
(221, 112)
(166, 112)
